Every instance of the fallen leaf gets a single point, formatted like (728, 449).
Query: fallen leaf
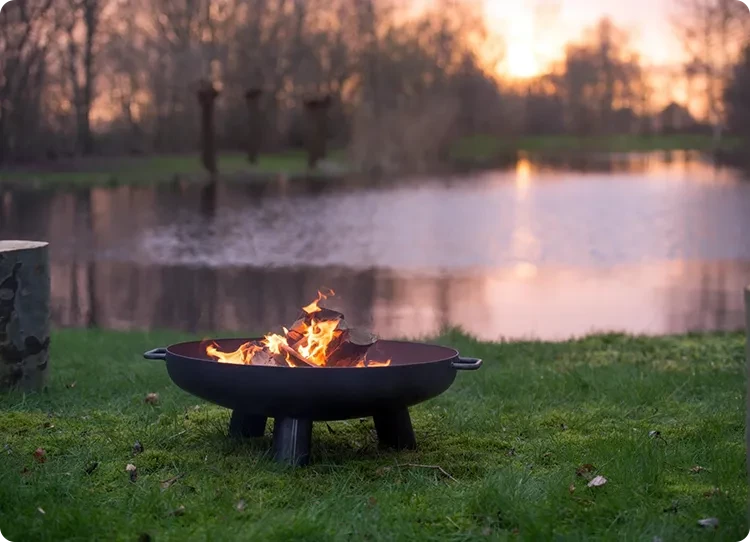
(41, 510)
(571, 489)
(240, 506)
(48, 425)
(597, 481)
(654, 434)
(137, 447)
(563, 427)
(152, 398)
(712, 492)
(71, 385)
(179, 511)
(586, 469)
(92, 467)
(709, 522)
(40, 455)
(382, 471)
(696, 469)
(372, 501)
(133, 472)
(167, 483)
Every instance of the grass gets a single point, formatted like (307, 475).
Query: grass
(511, 435)
(474, 151)
(486, 147)
(160, 168)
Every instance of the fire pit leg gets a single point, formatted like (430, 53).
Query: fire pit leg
(243, 425)
(291, 441)
(394, 430)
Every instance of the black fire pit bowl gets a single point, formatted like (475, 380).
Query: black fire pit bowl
(296, 397)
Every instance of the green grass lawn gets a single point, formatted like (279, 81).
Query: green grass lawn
(162, 167)
(486, 147)
(511, 437)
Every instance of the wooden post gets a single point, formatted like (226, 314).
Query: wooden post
(252, 98)
(206, 96)
(24, 314)
(317, 128)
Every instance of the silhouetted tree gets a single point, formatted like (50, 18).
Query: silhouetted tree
(737, 96)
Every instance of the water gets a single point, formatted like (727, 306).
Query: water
(634, 243)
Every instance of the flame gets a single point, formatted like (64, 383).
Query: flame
(313, 307)
(242, 356)
(317, 336)
(373, 364)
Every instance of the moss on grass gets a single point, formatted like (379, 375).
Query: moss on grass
(512, 435)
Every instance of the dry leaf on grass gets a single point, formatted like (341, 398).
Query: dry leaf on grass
(41, 510)
(48, 425)
(712, 492)
(166, 484)
(152, 398)
(597, 481)
(71, 385)
(240, 506)
(709, 522)
(382, 471)
(697, 469)
(585, 470)
(571, 489)
(40, 455)
(133, 471)
(179, 511)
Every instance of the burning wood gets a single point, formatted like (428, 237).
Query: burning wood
(320, 337)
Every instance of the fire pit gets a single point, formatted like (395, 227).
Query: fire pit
(319, 370)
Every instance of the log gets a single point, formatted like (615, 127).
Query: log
(352, 348)
(24, 315)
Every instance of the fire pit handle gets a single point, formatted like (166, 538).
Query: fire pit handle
(157, 353)
(467, 364)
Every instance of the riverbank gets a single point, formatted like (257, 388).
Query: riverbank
(469, 154)
(517, 445)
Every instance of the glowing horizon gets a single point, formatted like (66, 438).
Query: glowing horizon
(536, 31)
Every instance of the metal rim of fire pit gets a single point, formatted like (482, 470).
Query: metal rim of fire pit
(297, 396)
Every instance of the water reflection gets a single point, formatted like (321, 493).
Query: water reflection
(657, 247)
(554, 303)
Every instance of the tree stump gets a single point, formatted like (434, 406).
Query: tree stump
(24, 314)
(206, 96)
(747, 339)
(255, 123)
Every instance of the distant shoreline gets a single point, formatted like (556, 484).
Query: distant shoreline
(472, 153)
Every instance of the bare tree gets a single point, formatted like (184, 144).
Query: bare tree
(712, 33)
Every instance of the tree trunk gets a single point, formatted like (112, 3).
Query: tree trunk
(24, 314)
(252, 99)
(206, 96)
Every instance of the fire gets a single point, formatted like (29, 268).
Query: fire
(319, 338)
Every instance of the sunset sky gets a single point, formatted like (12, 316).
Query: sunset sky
(536, 30)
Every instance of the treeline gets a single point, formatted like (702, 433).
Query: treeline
(84, 77)
(400, 84)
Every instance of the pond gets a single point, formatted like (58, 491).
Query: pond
(647, 243)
